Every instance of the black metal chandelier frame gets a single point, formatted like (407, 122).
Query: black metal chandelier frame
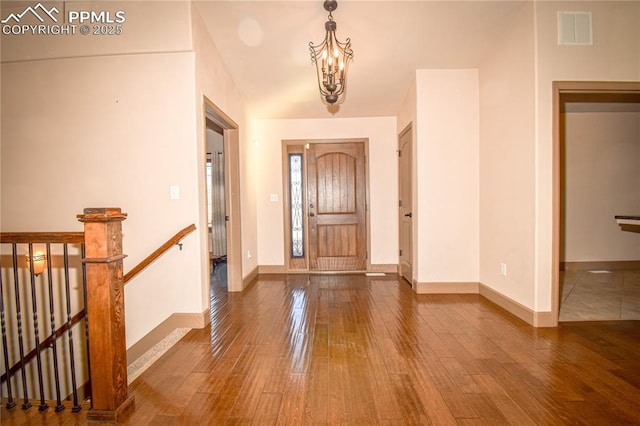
(332, 59)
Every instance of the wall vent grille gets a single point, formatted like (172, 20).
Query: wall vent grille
(574, 28)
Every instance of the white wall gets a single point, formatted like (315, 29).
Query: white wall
(141, 31)
(614, 56)
(99, 137)
(602, 180)
(215, 82)
(447, 187)
(508, 163)
(515, 172)
(115, 121)
(383, 178)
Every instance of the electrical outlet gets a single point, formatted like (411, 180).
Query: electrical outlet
(503, 269)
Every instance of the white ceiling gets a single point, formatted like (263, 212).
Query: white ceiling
(265, 46)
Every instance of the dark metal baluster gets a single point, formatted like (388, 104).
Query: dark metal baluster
(54, 343)
(25, 389)
(5, 348)
(36, 329)
(76, 406)
(86, 322)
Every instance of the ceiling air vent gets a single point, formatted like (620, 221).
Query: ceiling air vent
(574, 28)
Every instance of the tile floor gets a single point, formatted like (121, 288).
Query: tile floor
(600, 295)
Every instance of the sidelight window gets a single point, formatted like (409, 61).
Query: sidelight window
(296, 222)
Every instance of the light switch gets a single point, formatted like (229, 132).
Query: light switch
(274, 198)
(175, 192)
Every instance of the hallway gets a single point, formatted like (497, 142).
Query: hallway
(331, 349)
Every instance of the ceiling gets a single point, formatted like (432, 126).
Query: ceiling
(265, 46)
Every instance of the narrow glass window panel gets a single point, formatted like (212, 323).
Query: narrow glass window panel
(296, 203)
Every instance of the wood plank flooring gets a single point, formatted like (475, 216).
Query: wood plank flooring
(360, 350)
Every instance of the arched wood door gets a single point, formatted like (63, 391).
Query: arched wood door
(336, 191)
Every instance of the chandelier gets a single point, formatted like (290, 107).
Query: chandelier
(332, 59)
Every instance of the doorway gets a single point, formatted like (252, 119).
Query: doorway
(405, 203)
(216, 208)
(228, 228)
(325, 202)
(592, 148)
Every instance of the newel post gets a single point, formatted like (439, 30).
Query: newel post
(105, 312)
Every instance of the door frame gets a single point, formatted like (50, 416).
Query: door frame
(408, 129)
(560, 88)
(291, 267)
(231, 194)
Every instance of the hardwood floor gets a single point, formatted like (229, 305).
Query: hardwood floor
(367, 350)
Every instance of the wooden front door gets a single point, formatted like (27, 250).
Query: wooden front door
(405, 204)
(336, 189)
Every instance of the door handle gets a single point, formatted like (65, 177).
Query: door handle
(311, 214)
(408, 215)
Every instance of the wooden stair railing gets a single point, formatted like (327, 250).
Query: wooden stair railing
(28, 326)
(102, 238)
(159, 252)
(105, 306)
(77, 237)
(46, 343)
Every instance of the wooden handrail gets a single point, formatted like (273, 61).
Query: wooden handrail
(78, 238)
(42, 237)
(156, 254)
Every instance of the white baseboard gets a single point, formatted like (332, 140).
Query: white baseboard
(166, 327)
(446, 287)
(248, 279)
(536, 319)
